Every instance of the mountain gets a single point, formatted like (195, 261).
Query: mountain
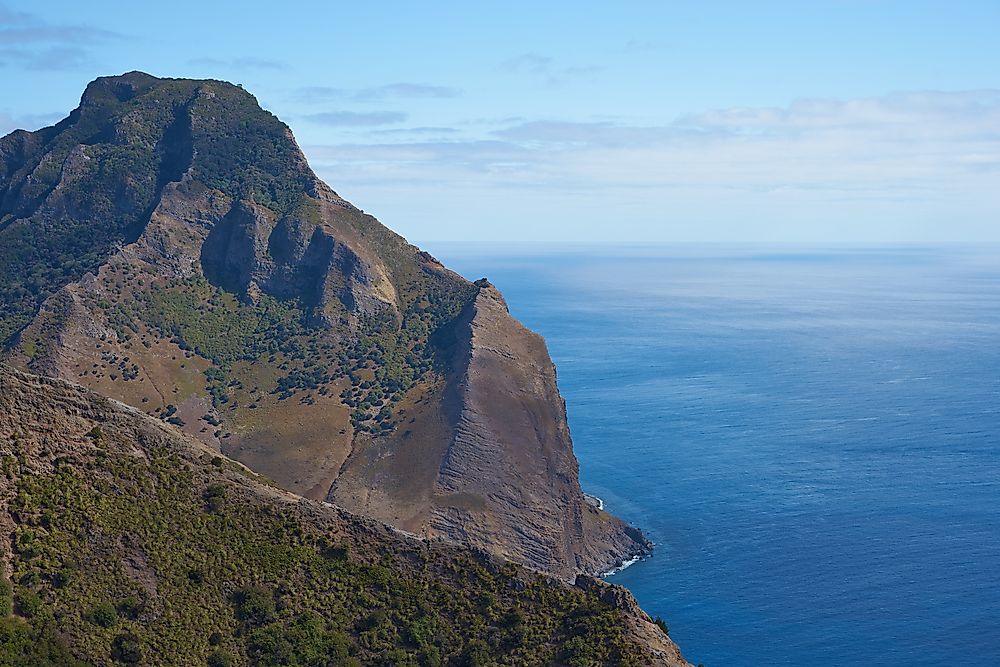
(167, 245)
(128, 542)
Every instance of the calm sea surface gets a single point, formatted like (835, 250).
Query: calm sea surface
(810, 437)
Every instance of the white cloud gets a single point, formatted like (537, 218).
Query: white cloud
(356, 118)
(29, 122)
(908, 155)
(812, 143)
(400, 90)
(240, 64)
(551, 72)
(28, 41)
(528, 62)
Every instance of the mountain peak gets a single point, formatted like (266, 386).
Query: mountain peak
(124, 87)
(121, 88)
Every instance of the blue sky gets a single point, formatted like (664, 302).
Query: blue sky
(843, 121)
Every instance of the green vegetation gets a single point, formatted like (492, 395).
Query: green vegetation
(386, 360)
(214, 324)
(27, 644)
(143, 559)
(246, 152)
(382, 358)
(112, 157)
(43, 248)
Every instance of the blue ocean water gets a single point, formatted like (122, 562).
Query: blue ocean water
(811, 437)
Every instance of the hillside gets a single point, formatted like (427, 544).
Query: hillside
(127, 542)
(167, 245)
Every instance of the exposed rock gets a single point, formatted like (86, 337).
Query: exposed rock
(510, 448)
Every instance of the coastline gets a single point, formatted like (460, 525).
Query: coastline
(632, 558)
(625, 564)
(594, 501)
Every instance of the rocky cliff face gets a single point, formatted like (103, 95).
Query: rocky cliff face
(168, 246)
(127, 542)
(511, 439)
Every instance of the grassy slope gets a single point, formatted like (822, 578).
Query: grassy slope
(132, 544)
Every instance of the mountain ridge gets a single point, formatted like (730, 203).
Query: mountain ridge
(167, 245)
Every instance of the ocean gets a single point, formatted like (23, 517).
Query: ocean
(810, 436)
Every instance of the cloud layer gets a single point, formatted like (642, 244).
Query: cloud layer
(356, 118)
(240, 64)
(28, 42)
(400, 90)
(905, 154)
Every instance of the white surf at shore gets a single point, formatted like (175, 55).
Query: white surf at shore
(615, 570)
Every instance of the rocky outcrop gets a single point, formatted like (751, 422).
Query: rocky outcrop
(248, 252)
(510, 452)
(168, 246)
(639, 622)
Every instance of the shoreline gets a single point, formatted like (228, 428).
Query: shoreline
(594, 501)
(625, 564)
(621, 564)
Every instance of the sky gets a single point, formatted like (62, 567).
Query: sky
(836, 121)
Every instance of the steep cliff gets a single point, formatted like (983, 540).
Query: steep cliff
(127, 542)
(168, 246)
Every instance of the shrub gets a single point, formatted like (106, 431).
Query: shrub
(27, 603)
(104, 615)
(220, 658)
(130, 607)
(255, 606)
(126, 649)
(476, 654)
(215, 496)
(6, 598)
